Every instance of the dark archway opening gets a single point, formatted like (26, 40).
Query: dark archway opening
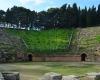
(83, 57)
(30, 57)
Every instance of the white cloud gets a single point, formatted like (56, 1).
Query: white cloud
(37, 2)
(25, 1)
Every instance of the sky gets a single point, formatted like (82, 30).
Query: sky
(40, 5)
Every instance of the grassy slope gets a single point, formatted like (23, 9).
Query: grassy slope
(45, 40)
(55, 41)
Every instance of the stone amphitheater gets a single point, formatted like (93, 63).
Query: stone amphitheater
(85, 44)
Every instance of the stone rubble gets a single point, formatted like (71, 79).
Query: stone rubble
(10, 76)
(52, 76)
(55, 76)
(70, 77)
(92, 76)
(1, 77)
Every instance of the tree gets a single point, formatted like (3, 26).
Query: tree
(32, 19)
(84, 17)
(75, 15)
(2, 16)
(52, 18)
(8, 16)
(63, 16)
(93, 16)
(98, 15)
(80, 18)
(89, 22)
(15, 15)
(69, 17)
(23, 16)
(43, 19)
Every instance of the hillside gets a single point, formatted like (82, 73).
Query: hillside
(44, 40)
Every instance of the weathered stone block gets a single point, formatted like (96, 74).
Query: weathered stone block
(52, 76)
(92, 76)
(40, 79)
(11, 75)
(1, 77)
(70, 77)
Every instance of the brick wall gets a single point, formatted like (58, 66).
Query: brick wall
(37, 59)
(20, 55)
(57, 58)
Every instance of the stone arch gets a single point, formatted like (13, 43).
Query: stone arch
(29, 56)
(83, 56)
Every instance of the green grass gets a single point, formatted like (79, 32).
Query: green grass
(98, 38)
(34, 70)
(45, 40)
(89, 43)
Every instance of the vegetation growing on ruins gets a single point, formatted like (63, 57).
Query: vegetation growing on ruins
(45, 40)
(59, 40)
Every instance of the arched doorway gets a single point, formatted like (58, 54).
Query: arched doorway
(29, 57)
(83, 56)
